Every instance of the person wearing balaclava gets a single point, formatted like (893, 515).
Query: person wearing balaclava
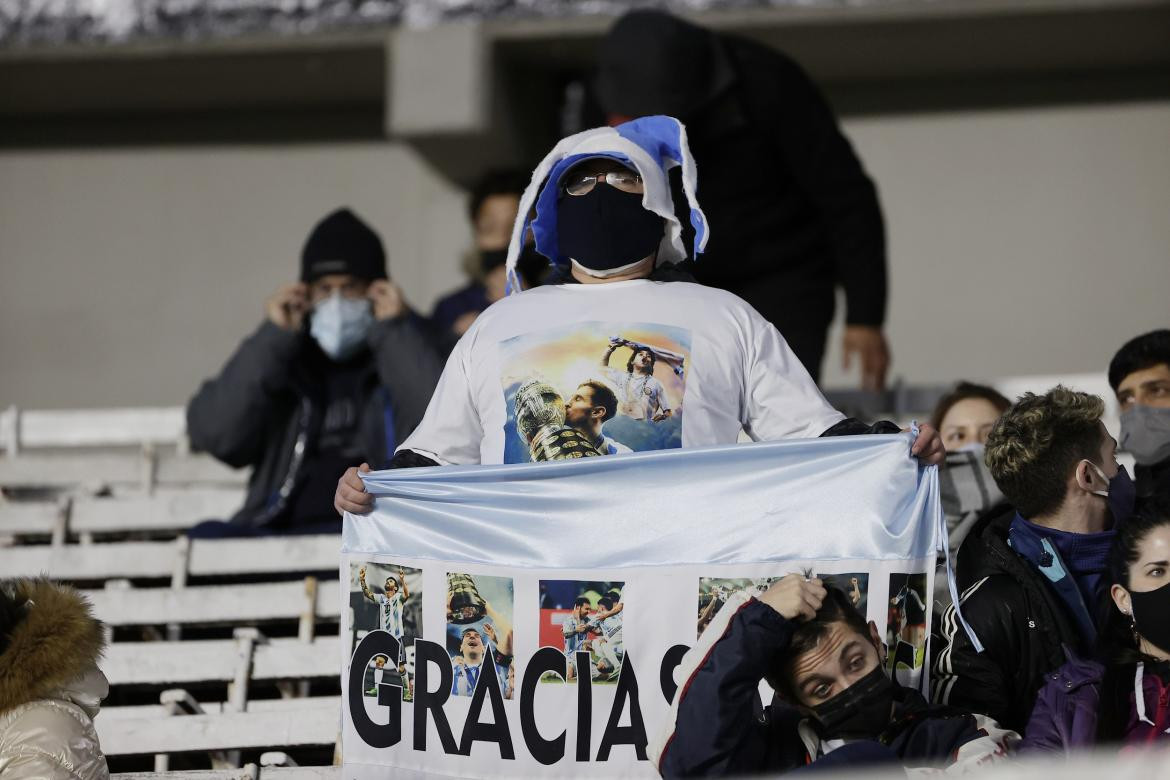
(1140, 377)
(835, 705)
(601, 211)
(338, 373)
(492, 208)
(793, 214)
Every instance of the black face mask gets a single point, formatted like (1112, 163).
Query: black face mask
(860, 711)
(606, 228)
(490, 259)
(1151, 615)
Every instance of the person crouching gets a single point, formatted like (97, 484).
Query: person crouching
(834, 703)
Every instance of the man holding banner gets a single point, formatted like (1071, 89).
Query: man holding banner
(604, 216)
(698, 514)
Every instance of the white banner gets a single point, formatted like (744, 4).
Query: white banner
(527, 620)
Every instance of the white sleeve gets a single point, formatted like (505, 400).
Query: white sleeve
(781, 400)
(451, 431)
(995, 744)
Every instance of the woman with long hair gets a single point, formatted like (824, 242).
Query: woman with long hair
(1124, 697)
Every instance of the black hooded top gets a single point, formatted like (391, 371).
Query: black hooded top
(792, 211)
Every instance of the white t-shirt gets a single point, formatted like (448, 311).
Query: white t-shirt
(502, 395)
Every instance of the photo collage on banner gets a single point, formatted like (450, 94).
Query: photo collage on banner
(906, 627)
(387, 598)
(594, 388)
(479, 631)
(584, 616)
(714, 592)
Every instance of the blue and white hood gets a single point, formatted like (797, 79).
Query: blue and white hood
(652, 146)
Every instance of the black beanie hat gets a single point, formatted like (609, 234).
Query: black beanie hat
(343, 244)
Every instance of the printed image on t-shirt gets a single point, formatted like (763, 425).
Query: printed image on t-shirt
(594, 388)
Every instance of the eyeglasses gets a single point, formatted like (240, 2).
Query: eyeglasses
(583, 183)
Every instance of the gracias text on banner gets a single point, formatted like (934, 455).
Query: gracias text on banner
(528, 620)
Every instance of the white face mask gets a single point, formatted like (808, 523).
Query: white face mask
(339, 325)
(607, 273)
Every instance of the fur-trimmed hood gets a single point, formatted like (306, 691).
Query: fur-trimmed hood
(58, 641)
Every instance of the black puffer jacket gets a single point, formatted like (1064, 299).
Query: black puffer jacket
(788, 200)
(262, 410)
(1018, 617)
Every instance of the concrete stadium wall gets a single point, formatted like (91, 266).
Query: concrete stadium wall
(1021, 242)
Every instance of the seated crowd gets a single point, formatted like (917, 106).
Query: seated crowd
(1061, 635)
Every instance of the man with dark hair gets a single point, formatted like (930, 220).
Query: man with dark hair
(576, 630)
(1140, 376)
(339, 372)
(834, 703)
(492, 210)
(1032, 578)
(609, 644)
(641, 396)
(793, 213)
(475, 650)
(590, 408)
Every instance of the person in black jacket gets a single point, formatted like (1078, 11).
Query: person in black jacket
(792, 212)
(1140, 376)
(1032, 579)
(338, 373)
(835, 706)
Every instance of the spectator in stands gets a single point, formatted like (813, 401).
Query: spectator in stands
(1033, 578)
(50, 686)
(965, 415)
(339, 372)
(1087, 702)
(964, 418)
(793, 214)
(835, 705)
(607, 220)
(494, 201)
(1140, 376)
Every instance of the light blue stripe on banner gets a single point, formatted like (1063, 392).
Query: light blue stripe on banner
(848, 497)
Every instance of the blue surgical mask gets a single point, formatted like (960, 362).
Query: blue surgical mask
(339, 325)
(1121, 495)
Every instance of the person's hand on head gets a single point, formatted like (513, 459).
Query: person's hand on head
(286, 307)
(351, 495)
(928, 447)
(869, 344)
(794, 597)
(387, 299)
